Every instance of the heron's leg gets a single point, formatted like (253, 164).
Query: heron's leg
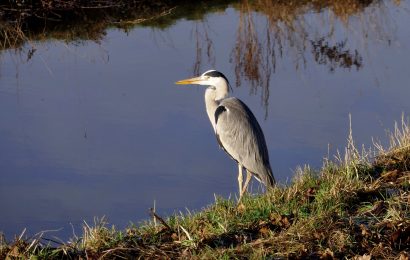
(245, 186)
(240, 178)
(248, 178)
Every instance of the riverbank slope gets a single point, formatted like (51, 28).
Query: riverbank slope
(355, 206)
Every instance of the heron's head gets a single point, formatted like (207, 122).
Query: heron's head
(211, 78)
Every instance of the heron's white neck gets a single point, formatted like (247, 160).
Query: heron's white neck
(213, 96)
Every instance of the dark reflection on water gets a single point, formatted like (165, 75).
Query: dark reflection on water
(286, 28)
(335, 56)
(98, 128)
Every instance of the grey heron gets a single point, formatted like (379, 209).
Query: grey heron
(236, 128)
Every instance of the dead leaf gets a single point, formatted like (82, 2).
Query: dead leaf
(404, 256)
(390, 176)
(328, 254)
(318, 235)
(174, 236)
(363, 257)
(241, 208)
(14, 253)
(395, 236)
(264, 231)
(365, 230)
(378, 208)
(283, 221)
(309, 195)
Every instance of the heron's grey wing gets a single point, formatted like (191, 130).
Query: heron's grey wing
(218, 113)
(241, 136)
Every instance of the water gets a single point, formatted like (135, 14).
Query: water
(92, 129)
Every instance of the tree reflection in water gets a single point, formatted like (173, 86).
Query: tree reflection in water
(287, 28)
(203, 42)
(303, 30)
(335, 56)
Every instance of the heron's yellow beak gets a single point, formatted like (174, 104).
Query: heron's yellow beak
(195, 80)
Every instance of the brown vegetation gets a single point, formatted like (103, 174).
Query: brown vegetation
(27, 21)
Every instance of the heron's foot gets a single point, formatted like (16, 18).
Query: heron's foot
(240, 208)
(240, 198)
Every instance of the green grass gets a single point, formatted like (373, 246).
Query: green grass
(354, 206)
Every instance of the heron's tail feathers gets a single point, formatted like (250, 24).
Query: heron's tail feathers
(269, 180)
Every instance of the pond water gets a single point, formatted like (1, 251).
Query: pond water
(98, 128)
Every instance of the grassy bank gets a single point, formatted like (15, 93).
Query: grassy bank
(355, 206)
